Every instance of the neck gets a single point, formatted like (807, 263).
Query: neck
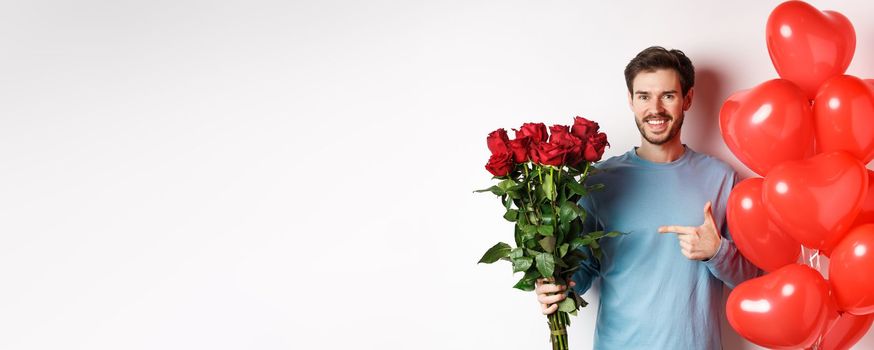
(664, 153)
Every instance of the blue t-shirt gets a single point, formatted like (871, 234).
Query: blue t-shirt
(652, 296)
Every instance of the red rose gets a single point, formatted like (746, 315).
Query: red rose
(550, 154)
(560, 135)
(584, 128)
(536, 131)
(519, 147)
(500, 164)
(498, 141)
(558, 131)
(571, 144)
(595, 147)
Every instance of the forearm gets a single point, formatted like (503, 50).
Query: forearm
(730, 266)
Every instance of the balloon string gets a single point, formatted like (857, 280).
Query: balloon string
(814, 260)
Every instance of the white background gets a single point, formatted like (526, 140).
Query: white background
(298, 175)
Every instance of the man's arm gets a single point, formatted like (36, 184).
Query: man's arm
(548, 294)
(729, 265)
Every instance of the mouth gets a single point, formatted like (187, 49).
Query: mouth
(657, 123)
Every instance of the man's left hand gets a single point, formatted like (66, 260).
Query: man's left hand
(697, 243)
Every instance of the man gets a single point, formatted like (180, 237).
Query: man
(661, 282)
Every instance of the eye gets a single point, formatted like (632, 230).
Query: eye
(669, 97)
(642, 97)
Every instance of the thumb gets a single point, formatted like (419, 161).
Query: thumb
(708, 213)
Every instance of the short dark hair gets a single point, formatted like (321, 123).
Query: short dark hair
(657, 57)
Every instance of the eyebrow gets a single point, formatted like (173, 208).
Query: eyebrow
(638, 92)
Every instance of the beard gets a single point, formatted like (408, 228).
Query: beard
(665, 137)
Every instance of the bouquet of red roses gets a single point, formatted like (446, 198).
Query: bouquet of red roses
(543, 177)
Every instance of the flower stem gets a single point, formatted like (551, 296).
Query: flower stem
(558, 330)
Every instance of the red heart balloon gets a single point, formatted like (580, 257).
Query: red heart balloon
(767, 125)
(843, 114)
(781, 310)
(757, 238)
(808, 46)
(816, 200)
(850, 270)
(846, 332)
(866, 215)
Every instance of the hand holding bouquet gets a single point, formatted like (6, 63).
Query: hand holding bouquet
(543, 178)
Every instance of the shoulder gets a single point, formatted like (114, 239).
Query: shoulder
(612, 162)
(708, 163)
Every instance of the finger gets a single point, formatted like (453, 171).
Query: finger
(686, 253)
(551, 299)
(572, 284)
(683, 230)
(550, 309)
(548, 289)
(690, 239)
(708, 213)
(685, 246)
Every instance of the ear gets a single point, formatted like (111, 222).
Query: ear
(687, 100)
(630, 102)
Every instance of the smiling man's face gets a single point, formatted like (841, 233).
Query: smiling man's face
(658, 105)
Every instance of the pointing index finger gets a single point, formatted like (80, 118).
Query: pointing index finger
(682, 230)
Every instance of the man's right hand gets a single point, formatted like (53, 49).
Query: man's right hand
(549, 294)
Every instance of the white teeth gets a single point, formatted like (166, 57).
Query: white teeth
(655, 122)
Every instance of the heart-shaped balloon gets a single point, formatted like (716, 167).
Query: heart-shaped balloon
(866, 214)
(785, 309)
(846, 332)
(767, 125)
(808, 46)
(815, 200)
(843, 114)
(850, 270)
(757, 238)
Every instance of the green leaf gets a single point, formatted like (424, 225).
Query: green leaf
(596, 252)
(567, 305)
(516, 253)
(545, 230)
(562, 249)
(577, 188)
(596, 187)
(614, 234)
(549, 186)
(494, 189)
(548, 244)
(545, 264)
(579, 299)
(547, 213)
(498, 251)
(581, 241)
(567, 212)
(515, 191)
(530, 243)
(522, 264)
(528, 229)
(526, 283)
(506, 184)
(511, 215)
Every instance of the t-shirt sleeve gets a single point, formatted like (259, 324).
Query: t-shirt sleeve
(728, 264)
(589, 268)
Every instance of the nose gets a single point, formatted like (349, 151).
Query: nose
(656, 106)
